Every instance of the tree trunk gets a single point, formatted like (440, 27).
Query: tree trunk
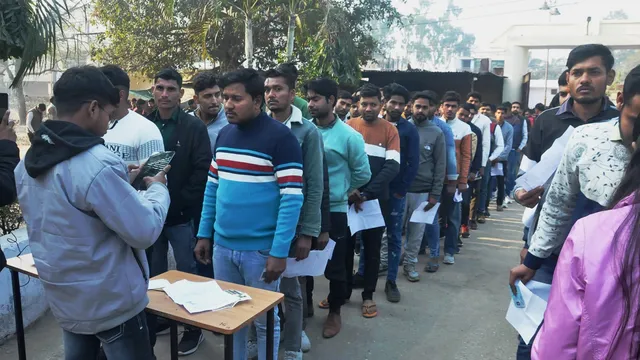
(248, 40)
(18, 91)
(291, 35)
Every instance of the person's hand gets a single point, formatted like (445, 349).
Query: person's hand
(275, 268)
(522, 273)
(6, 128)
(202, 251)
(463, 187)
(494, 161)
(472, 177)
(518, 151)
(355, 196)
(160, 177)
(529, 198)
(323, 240)
(481, 171)
(134, 170)
(303, 246)
(523, 254)
(451, 188)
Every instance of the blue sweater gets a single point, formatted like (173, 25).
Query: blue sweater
(452, 165)
(409, 157)
(254, 193)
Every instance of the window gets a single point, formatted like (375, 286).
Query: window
(466, 63)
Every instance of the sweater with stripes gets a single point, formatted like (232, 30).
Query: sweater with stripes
(254, 192)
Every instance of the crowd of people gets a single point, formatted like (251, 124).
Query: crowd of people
(260, 175)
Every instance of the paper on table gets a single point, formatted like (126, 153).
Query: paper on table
(549, 161)
(426, 217)
(313, 265)
(457, 197)
(497, 170)
(527, 320)
(369, 217)
(158, 284)
(201, 296)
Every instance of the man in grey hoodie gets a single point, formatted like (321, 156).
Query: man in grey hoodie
(87, 226)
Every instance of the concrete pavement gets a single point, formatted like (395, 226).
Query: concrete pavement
(455, 314)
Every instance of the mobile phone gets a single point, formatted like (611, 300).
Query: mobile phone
(4, 103)
(518, 301)
(156, 163)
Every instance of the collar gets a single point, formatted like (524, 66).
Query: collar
(295, 117)
(174, 115)
(616, 135)
(221, 114)
(567, 107)
(336, 118)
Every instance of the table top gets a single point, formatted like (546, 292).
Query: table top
(23, 264)
(226, 321)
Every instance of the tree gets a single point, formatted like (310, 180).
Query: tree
(537, 68)
(435, 42)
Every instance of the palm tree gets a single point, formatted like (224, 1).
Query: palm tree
(29, 30)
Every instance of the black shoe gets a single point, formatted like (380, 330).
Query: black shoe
(358, 281)
(391, 289)
(487, 213)
(190, 341)
(163, 328)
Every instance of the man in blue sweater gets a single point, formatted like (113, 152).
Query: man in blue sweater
(256, 178)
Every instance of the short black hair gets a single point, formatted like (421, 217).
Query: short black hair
(475, 95)
(152, 100)
(516, 102)
(540, 106)
(356, 98)
(284, 72)
(117, 76)
(369, 90)
(250, 78)
(289, 68)
(485, 104)
(204, 80)
(343, 94)
(190, 102)
(429, 95)
(79, 85)
(451, 96)
(42, 107)
(169, 74)
(468, 106)
(584, 52)
(395, 89)
(631, 85)
(501, 107)
(323, 86)
(562, 79)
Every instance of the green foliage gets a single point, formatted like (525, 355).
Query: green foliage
(10, 218)
(29, 30)
(537, 68)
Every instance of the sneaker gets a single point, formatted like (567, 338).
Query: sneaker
(358, 281)
(464, 231)
(306, 343)
(411, 273)
(504, 206)
(448, 259)
(487, 213)
(508, 200)
(391, 289)
(432, 266)
(383, 270)
(293, 355)
(163, 328)
(473, 225)
(460, 243)
(499, 208)
(332, 325)
(252, 349)
(190, 341)
(481, 219)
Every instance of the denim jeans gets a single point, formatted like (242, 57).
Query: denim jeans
(391, 246)
(416, 231)
(292, 333)
(245, 268)
(183, 241)
(128, 341)
(451, 214)
(483, 192)
(511, 172)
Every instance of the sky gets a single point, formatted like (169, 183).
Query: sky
(487, 19)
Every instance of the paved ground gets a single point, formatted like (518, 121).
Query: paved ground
(457, 313)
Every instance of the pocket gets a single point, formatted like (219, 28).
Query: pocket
(264, 253)
(111, 335)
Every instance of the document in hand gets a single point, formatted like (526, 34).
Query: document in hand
(313, 265)
(457, 197)
(426, 217)
(527, 320)
(549, 161)
(203, 296)
(370, 217)
(497, 169)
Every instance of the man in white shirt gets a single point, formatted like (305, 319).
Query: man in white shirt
(484, 123)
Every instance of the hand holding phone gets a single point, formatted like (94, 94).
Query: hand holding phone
(6, 127)
(518, 301)
(152, 168)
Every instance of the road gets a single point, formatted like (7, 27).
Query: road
(455, 314)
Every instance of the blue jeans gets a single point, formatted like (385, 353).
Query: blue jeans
(128, 341)
(483, 192)
(431, 238)
(183, 241)
(245, 268)
(513, 166)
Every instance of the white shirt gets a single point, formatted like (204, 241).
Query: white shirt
(497, 133)
(484, 123)
(134, 138)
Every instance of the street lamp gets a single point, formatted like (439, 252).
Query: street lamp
(588, 22)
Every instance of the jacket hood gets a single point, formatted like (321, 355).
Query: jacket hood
(55, 142)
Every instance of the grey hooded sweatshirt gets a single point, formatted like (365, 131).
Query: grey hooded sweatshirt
(87, 227)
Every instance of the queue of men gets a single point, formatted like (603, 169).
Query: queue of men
(248, 147)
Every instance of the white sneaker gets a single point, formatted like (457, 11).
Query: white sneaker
(448, 259)
(252, 349)
(508, 200)
(292, 355)
(306, 343)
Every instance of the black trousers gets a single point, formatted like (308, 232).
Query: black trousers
(336, 270)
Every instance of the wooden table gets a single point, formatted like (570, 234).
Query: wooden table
(226, 322)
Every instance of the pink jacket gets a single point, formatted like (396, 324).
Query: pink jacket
(586, 303)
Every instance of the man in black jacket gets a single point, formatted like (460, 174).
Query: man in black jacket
(9, 158)
(187, 136)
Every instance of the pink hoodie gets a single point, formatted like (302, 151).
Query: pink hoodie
(586, 302)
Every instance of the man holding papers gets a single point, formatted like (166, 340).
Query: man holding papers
(382, 145)
(424, 192)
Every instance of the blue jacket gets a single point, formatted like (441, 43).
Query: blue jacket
(452, 165)
(409, 157)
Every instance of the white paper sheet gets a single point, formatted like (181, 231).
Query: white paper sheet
(549, 161)
(203, 296)
(457, 197)
(158, 284)
(426, 217)
(526, 321)
(528, 216)
(370, 217)
(314, 265)
(497, 170)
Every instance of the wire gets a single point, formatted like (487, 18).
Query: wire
(14, 241)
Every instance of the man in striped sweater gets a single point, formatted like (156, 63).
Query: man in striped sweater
(256, 178)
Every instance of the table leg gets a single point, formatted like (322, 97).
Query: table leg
(270, 330)
(228, 347)
(17, 307)
(174, 339)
